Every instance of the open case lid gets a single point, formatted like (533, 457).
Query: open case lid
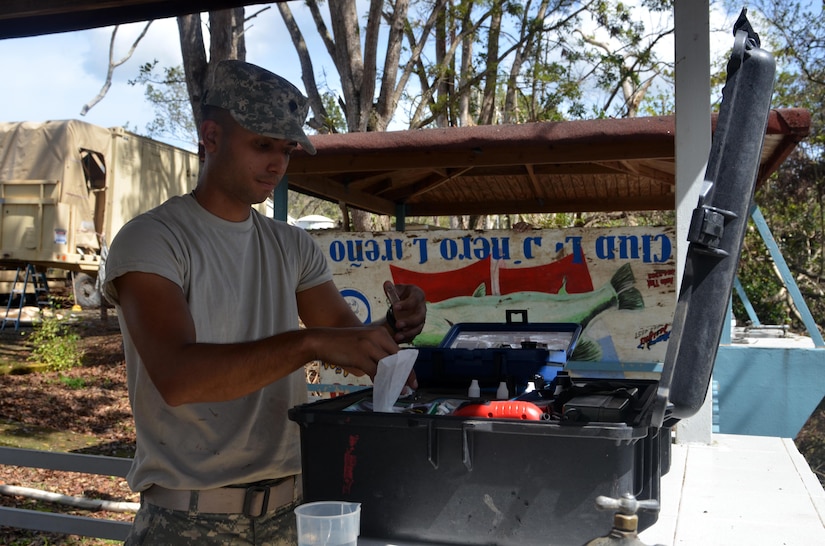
(489, 352)
(553, 337)
(717, 228)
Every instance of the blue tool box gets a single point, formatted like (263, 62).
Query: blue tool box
(488, 471)
(514, 352)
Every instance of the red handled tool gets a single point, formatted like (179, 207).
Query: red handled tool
(502, 409)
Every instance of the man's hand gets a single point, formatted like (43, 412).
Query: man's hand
(340, 338)
(355, 349)
(408, 309)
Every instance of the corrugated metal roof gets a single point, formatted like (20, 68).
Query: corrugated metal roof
(570, 166)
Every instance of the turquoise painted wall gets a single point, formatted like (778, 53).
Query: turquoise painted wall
(768, 391)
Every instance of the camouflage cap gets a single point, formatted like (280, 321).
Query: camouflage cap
(260, 101)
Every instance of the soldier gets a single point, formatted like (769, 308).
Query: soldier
(209, 294)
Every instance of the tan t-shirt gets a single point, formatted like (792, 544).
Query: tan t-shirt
(240, 279)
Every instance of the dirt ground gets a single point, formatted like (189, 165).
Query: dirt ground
(86, 410)
(83, 410)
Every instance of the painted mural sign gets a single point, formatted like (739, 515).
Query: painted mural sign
(618, 283)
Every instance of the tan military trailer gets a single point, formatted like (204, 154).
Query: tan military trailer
(67, 187)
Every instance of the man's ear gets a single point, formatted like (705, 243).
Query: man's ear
(209, 134)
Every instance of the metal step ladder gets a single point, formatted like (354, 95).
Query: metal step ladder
(24, 277)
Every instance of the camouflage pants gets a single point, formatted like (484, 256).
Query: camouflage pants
(158, 526)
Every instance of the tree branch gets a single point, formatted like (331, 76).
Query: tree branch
(307, 72)
(112, 65)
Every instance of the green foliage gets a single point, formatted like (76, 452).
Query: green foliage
(793, 200)
(792, 203)
(55, 345)
(335, 121)
(799, 228)
(811, 442)
(762, 287)
(165, 90)
(300, 204)
(559, 220)
(73, 383)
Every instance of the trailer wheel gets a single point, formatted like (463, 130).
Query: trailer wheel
(86, 292)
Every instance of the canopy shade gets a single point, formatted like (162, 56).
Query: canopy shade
(19, 18)
(569, 166)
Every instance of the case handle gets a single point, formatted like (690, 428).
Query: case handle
(516, 312)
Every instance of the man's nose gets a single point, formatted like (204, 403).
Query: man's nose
(278, 163)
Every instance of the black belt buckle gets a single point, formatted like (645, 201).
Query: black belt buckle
(248, 496)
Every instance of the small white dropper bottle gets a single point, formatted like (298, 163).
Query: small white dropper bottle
(474, 391)
(502, 393)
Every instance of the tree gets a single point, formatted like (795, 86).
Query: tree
(625, 64)
(793, 200)
(112, 65)
(226, 41)
(356, 69)
(165, 89)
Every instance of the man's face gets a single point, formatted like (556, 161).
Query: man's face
(251, 165)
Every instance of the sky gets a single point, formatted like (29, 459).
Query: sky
(51, 77)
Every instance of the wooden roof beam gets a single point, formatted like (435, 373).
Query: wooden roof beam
(335, 191)
(544, 206)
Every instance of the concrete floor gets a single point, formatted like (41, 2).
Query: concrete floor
(740, 490)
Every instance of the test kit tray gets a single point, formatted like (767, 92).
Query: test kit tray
(513, 352)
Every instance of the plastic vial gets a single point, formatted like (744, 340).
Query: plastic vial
(502, 393)
(474, 391)
(531, 386)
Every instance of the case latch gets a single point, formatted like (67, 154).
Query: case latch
(707, 228)
(512, 314)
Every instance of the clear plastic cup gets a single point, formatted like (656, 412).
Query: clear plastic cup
(328, 523)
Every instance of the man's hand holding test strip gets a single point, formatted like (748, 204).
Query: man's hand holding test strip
(407, 311)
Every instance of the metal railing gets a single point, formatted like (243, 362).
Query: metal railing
(64, 523)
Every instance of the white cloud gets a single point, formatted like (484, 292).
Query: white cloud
(270, 45)
(55, 75)
(161, 43)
